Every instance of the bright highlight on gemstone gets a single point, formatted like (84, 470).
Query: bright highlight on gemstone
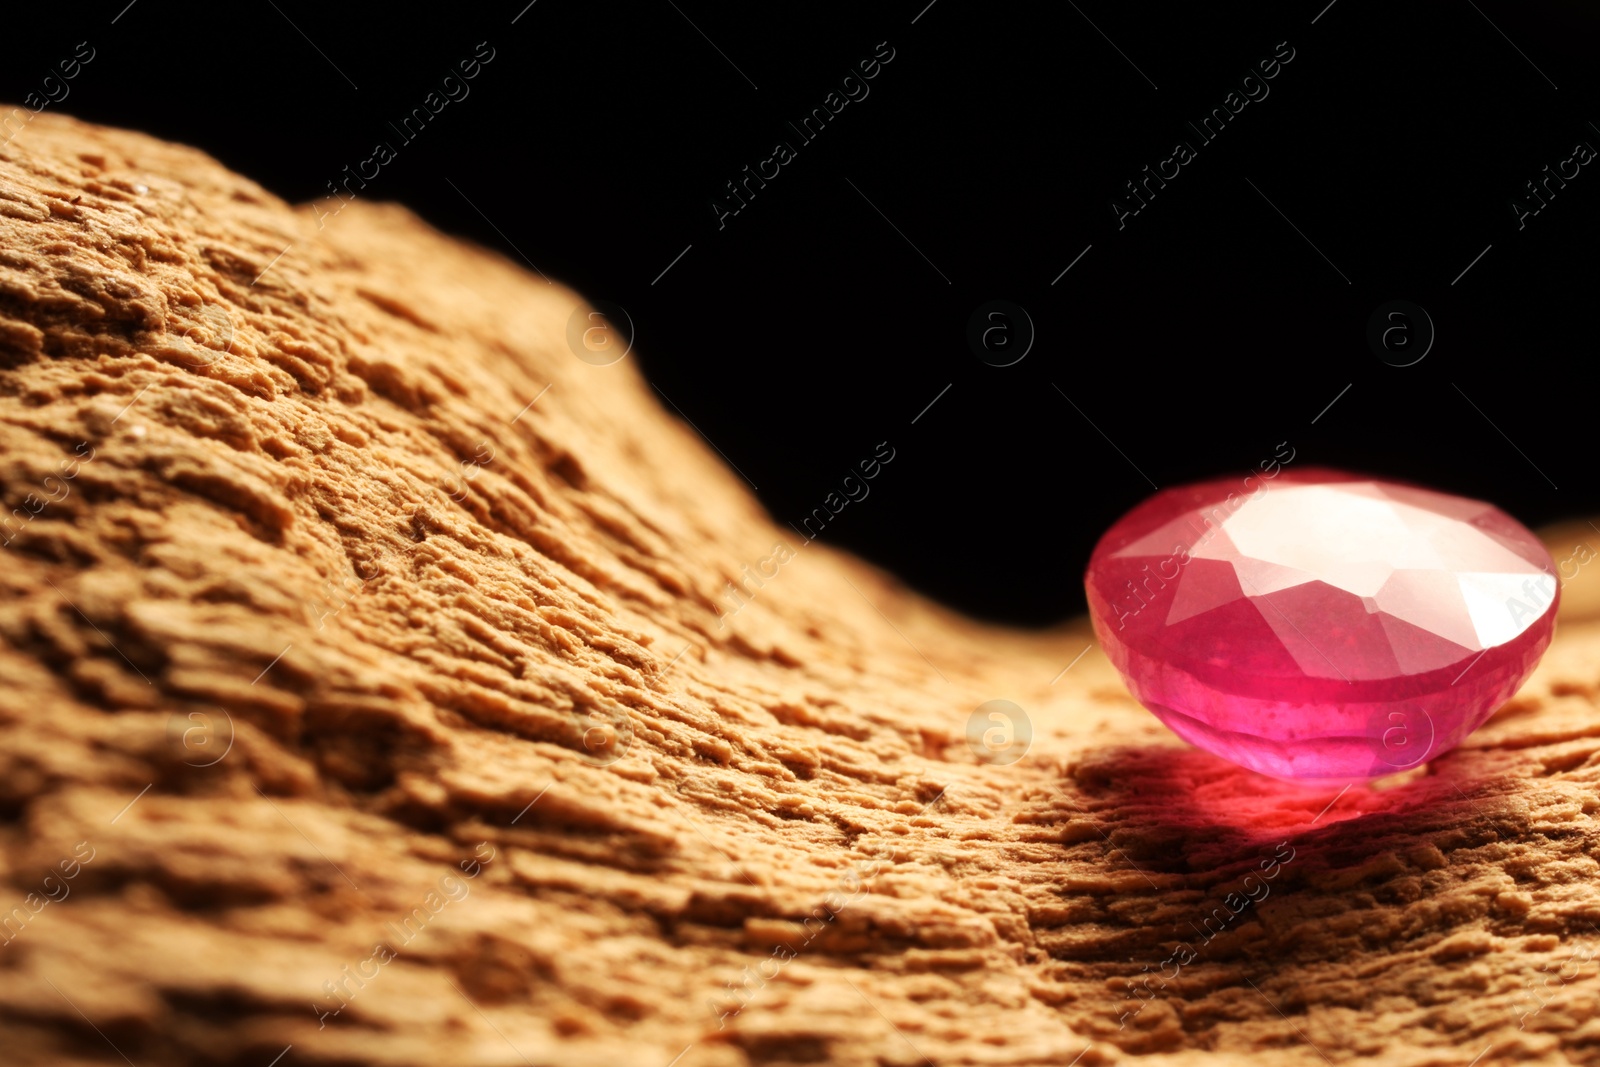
(1320, 625)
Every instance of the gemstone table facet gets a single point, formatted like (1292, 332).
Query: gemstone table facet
(1321, 625)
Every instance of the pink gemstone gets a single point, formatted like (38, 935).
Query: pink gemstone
(1318, 624)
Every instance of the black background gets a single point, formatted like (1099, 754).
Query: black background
(829, 313)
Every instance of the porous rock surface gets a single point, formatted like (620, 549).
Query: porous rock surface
(383, 718)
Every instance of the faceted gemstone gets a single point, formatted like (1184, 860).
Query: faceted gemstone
(1320, 625)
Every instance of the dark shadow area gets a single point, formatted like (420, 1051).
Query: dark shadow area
(1238, 879)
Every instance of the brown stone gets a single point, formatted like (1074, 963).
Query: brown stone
(330, 663)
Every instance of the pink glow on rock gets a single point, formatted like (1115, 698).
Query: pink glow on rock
(1321, 625)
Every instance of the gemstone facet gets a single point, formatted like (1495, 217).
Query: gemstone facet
(1321, 625)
